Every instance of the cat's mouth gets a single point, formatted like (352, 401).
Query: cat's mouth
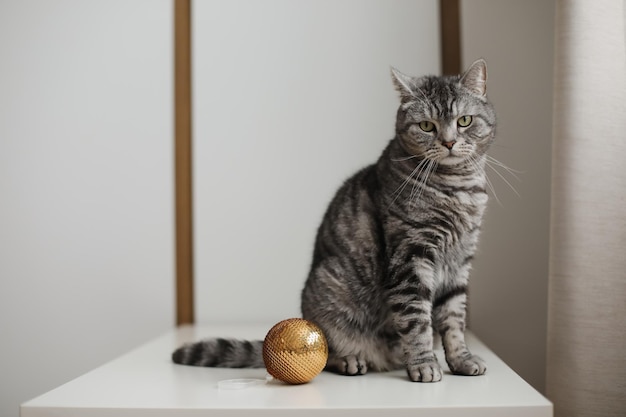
(452, 157)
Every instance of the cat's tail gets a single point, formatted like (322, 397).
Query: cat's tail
(221, 353)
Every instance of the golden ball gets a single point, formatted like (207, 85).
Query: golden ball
(295, 351)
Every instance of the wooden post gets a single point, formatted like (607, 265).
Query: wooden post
(183, 162)
(449, 11)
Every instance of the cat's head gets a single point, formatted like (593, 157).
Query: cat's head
(446, 119)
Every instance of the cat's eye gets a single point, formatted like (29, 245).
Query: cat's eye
(427, 126)
(464, 121)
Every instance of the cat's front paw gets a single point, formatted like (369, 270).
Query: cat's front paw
(348, 365)
(467, 365)
(427, 370)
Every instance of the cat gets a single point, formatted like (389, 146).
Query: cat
(393, 253)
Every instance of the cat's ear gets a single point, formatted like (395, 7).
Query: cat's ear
(403, 84)
(475, 78)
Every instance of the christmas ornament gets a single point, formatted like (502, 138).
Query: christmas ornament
(295, 351)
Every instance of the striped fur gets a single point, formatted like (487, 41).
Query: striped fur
(393, 253)
(223, 353)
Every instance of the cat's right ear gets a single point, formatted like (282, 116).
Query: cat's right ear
(475, 78)
(403, 84)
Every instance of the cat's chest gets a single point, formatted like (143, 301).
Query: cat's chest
(459, 193)
(463, 209)
(450, 225)
(468, 206)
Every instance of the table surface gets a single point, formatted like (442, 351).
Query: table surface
(144, 382)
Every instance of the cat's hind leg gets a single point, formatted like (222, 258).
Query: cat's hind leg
(329, 300)
(349, 352)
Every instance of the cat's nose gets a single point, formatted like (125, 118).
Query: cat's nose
(449, 144)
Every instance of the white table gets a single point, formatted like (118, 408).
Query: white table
(144, 382)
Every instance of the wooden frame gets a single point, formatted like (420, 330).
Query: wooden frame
(450, 20)
(450, 64)
(183, 162)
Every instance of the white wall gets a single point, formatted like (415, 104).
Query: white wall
(86, 211)
(290, 98)
(508, 290)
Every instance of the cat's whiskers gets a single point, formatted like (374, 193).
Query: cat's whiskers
(490, 162)
(420, 186)
(406, 158)
(513, 172)
(424, 165)
(402, 186)
(473, 161)
(417, 184)
(431, 168)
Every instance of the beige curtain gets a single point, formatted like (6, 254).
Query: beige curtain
(586, 367)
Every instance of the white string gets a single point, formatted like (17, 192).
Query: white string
(243, 383)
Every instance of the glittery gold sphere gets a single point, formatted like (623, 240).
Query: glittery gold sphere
(295, 351)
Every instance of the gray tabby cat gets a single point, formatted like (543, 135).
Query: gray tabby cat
(393, 253)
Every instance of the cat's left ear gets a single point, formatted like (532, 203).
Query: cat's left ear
(475, 78)
(403, 84)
